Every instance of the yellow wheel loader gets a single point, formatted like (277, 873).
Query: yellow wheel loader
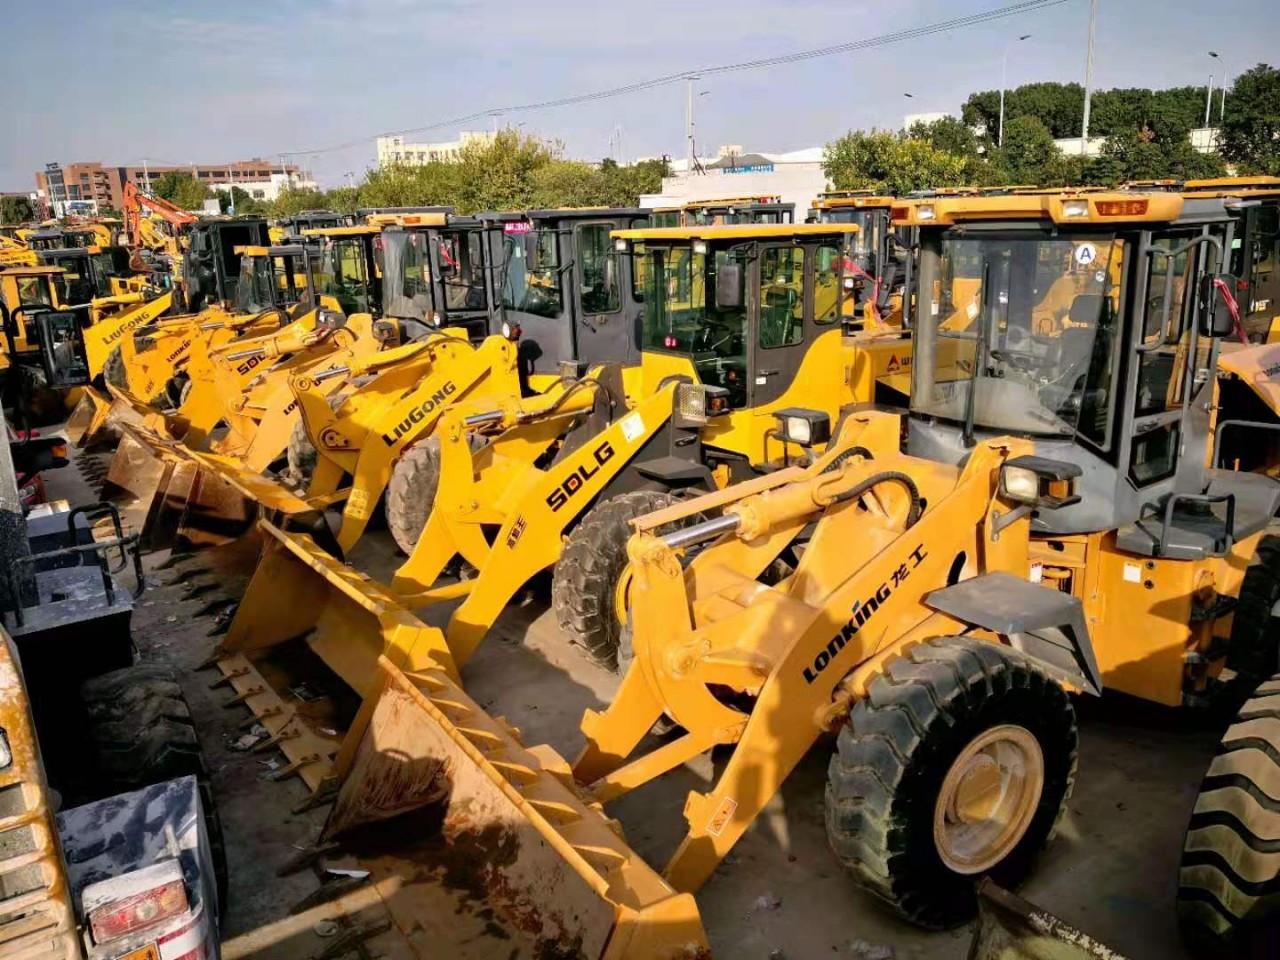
(931, 606)
(936, 554)
(434, 286)
(747, 318)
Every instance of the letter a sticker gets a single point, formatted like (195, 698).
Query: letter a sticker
(1086, 253)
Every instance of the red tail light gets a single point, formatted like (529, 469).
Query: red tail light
(114, 920)
(1122, 208)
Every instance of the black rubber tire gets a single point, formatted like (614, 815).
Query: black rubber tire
(892, 757)
(114, 371)
(1229, 878)
(1254, 647)
(176, 390)
(142, 734)
(411, 492)
(584, 584)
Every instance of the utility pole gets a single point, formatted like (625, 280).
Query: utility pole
(1208, 100)
(688, 124)
(1088, 79)
(146, 176)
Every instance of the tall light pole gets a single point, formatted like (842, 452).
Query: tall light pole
(688, 120)
(1088, 79)
(1004, 74)
(1208, 100)
(1222, 110)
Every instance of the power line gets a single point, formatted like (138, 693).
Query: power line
(911, 33)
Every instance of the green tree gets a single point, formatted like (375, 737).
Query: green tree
(16, 210)
(499, 174)
(949, 135)
(1251, 126)
(404, 185)
(292, 201)
(1029, 155)
(569, 183)
(882, 160)
(1058, 106)
(342, 199)
(181, 189)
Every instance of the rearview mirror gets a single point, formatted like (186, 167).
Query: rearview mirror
(729, 286)
(1219, 314)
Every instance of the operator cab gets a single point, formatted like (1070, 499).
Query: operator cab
(295, 226)
(87, 272)
(560, 286)
(350, 269)
(211, 266)
(878, 258)
(1090, 324)
(58, 239)
(738, 210)
(434, 271)
(276, 278)
(39, 331)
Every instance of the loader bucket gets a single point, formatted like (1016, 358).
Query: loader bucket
(534, 870)
(345, 621)
(88, 419)
(1010, 928)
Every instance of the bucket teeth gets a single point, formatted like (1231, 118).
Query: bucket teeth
(518, 774)
(240, 698)
(305, 858)
(228, 678)
(286, 733)
(261, 716)
(289, 769)
(219, 653)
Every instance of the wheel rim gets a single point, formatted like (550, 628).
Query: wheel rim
(622, 596)
(988, 799)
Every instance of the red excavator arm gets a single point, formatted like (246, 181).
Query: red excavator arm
(135, 202)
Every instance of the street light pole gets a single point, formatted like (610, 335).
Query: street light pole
(1208, 100)
(1222, 110)
(1004, 73)
(1088, 79)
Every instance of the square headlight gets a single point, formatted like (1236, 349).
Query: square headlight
(802, 426)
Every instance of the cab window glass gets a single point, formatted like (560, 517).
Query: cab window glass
(600, 292)
(33, 291)
(462, 268)
(826, 283)
(1164, 328)
(532, 273)
(781, 296)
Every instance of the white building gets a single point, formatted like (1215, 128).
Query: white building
(265, 189)
(396, 150)
(795, 177)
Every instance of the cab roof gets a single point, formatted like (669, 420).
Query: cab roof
(1064, 207)
(29, 271)
(431, 218)
(853, 199)
(361, 230)
(564, 213)
(738, 231)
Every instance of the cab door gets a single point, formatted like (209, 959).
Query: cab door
(785, 324)
(608, 316)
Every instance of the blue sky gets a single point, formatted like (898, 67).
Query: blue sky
(209, 82)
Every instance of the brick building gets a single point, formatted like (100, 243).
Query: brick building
(105, 184)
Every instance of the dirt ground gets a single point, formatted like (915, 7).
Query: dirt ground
(781, 894)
